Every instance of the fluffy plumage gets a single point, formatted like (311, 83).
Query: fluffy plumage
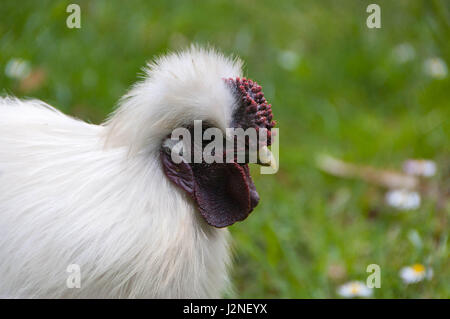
(96, 196)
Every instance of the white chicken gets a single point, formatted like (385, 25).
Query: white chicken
(106, 198)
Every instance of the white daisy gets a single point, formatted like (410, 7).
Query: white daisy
(419, 167)
(435, 68)
(403, 199)
(354, 289)
(415, 273)
(17, 68)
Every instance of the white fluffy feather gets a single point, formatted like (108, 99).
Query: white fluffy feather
(96, 195)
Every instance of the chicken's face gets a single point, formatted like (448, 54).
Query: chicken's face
(224, 191)
(180, 89)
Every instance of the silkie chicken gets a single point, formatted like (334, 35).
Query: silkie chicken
(108, 198)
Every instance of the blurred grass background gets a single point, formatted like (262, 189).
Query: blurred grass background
(337, 87)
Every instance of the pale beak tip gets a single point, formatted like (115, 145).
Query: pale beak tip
(267, 157)
(273, 164)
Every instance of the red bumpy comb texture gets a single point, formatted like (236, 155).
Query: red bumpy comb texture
(255, 106)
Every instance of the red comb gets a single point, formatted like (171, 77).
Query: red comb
(255, 104)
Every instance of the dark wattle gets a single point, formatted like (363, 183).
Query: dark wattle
(224, 193)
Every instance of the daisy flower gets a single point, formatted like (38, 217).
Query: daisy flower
(354, 289)
(415, 273)
(435, 68)
(419, 167)
(403, 199)
(17, 68)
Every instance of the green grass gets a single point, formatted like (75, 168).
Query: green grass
(343, 94)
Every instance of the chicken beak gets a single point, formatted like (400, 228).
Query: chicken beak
(266, 157)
